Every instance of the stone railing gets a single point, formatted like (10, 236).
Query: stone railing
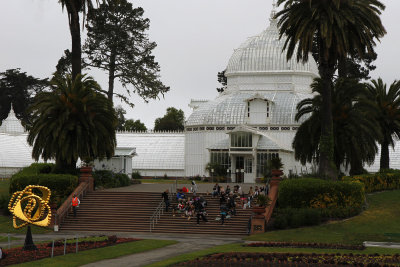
(86, 184)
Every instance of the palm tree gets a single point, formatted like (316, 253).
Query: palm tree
(387, 113)
(74, 120)
(74, 7)
(354, 131)
(337, 28)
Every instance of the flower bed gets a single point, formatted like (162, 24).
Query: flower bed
(17, 255)
(304, 245)
(234, 259)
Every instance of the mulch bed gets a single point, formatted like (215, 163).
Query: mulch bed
(304, 245)
(17, 255)
(239, 259)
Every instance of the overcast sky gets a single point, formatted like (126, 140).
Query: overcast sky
(195, 40)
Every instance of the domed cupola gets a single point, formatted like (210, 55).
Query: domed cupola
(261, 59)
(263, 87)
(12, 125)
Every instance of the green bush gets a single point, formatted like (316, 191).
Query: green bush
(108, 179)
(123, 179)
(280, 221)
(318, 193)
(385, 180)
(61, 185)
(4, 200)
(136, 175)
(293, 218)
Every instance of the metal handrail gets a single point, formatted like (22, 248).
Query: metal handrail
(160, 208)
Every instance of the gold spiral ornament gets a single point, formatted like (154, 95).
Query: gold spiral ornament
(29, 207)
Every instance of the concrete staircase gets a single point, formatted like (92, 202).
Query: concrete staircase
(131, 211)
(236, 225)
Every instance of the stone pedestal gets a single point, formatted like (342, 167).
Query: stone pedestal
(86, 176)
(257, 224)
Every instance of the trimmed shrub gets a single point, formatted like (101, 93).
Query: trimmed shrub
(61, 185)
(386, 180)
(318, 193)
(294, 218)
(136, 175)
(108, 179)
(123, 179)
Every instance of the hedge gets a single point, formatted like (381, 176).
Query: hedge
(292, 218)
(61, 185)
(318, 193)
(377, 182)
(108, 179)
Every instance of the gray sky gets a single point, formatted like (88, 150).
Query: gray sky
(195, 40)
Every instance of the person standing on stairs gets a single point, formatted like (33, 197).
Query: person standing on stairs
(164, 195)
(200, 211)
(75, 203)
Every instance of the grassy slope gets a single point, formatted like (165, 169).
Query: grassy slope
(89, 256)
(380, 222)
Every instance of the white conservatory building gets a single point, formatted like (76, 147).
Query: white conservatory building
(252, 121)
(254, 118)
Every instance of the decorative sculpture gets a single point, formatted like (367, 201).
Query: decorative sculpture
(30, 208)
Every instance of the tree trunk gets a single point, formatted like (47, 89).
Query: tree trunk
(74, 27)
(342, 68)
(111, 76)
(384, 155)
(327, 166)
(63, 167)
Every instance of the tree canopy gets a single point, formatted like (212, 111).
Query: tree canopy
(173, 120)
(354, 128)
(117, 43)
(336, 30)
(387, 114)
(128, 124)
(72, 121)
(18, 88)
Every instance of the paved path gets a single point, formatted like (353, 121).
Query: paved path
(187, 243)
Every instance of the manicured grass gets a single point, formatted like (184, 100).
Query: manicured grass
(240, 248)
(380, 222)
(6, 226)
(93, 255)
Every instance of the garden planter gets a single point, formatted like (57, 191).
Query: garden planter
(276, 173)
(258, 210)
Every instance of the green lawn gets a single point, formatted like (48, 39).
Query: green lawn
(93, 255)
(240, 248)
(380, 222)
(6, 226)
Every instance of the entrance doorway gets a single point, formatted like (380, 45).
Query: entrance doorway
(239, 167)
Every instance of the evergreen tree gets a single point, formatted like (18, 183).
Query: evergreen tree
(337, 28)
(387, 114)
(74, 7)
(173, 120)
(18, 88)
(117, 43)
(72, 121)
(354, 129)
